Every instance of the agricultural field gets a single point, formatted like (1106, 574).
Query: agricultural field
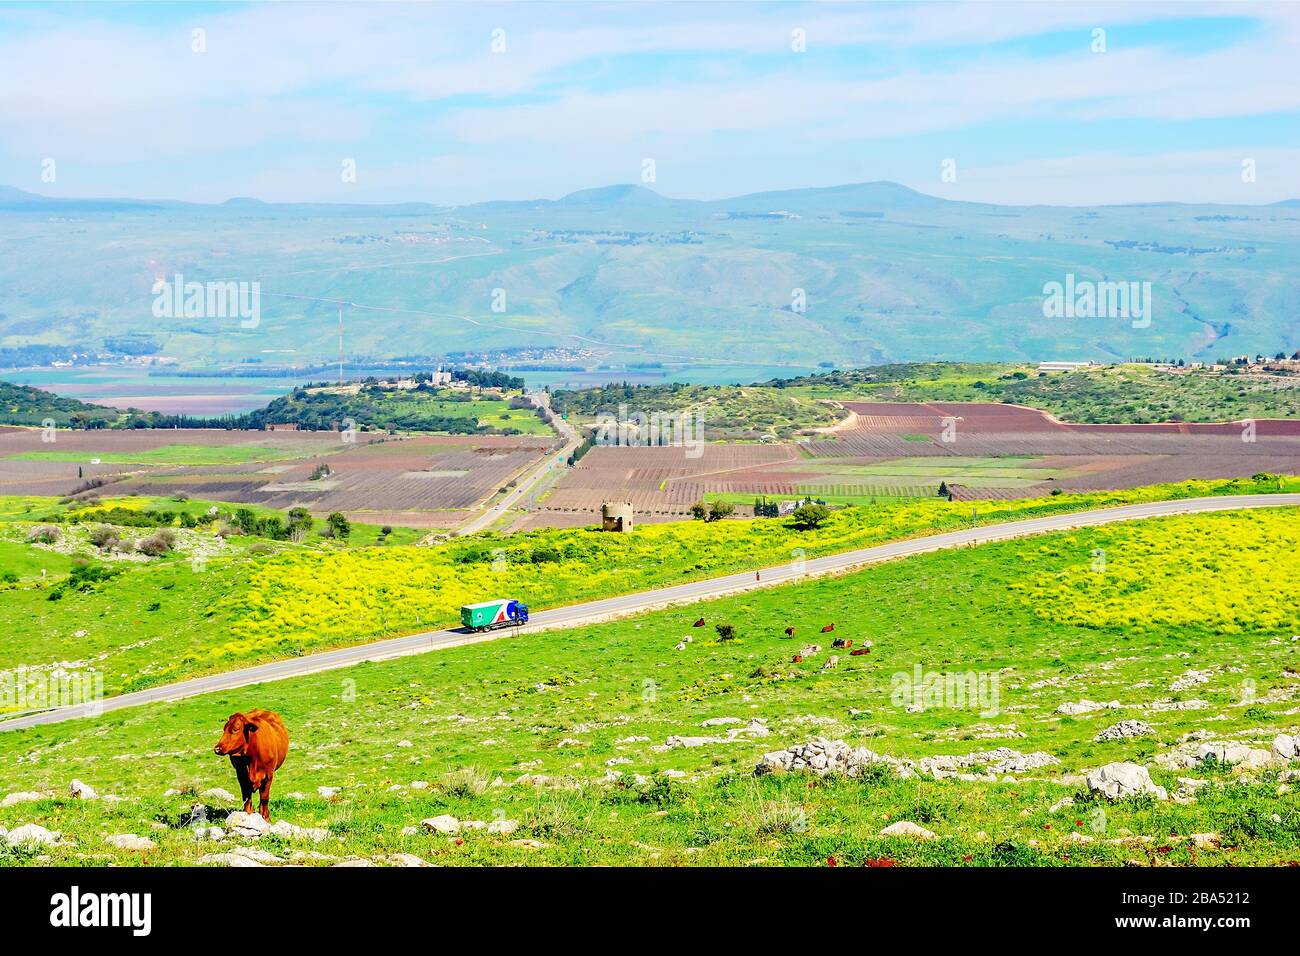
(904, 450)
(973, 721)
(423, 480)
(246, 604)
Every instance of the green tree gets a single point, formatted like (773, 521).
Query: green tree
(339, 525)
(810, 516)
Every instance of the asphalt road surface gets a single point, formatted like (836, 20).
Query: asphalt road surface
(647, 600)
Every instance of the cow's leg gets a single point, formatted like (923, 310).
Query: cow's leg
(245, 785)
(266, 798)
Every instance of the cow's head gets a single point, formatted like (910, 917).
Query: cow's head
(234, 737)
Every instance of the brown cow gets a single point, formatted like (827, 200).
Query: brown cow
(256, 743)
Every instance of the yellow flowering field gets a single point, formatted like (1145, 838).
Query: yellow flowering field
(301, 600)
(1224, 573)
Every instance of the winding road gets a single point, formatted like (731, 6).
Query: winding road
(607, 608)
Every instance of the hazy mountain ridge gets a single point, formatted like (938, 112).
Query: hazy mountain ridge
(884, 273)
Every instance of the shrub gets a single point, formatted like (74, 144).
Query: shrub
(158, 543)
(103, 536)
(44, 534)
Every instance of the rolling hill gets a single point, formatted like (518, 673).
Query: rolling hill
(886, 274)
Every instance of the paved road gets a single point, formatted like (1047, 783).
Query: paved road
(625, 604)
(553, 460)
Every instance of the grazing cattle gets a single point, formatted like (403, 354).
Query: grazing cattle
(797, 659)
(256, 743)
(859, 651)
(789, 632)
(841, 642)
(699, 623)
(828, 628)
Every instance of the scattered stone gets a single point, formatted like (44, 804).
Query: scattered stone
(1077, 837)
(722, 721)
(129, 841)
(445, 823)
(357, 862)
(1061, 804)
(406, 859)
(905, 828)
(419, 785)
(530, 844)
(825, 756)
(283, 828)
(31, 834)
(226, 859)
(82, 791)
(405, 743)
(1126, 728)
(247, 826)
(503, 826)
(22, 796)
(1119, 781)
(1168, 703)
(327, 792)
(1086, 707)
(1286, 747)
(1194, 754)
(216, 793)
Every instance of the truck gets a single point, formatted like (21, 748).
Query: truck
(488, 615)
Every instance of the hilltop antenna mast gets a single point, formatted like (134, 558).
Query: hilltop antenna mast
(340, 343)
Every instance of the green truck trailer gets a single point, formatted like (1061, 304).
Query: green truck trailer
(487, 615)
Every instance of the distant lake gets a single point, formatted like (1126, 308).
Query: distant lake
(125, 386)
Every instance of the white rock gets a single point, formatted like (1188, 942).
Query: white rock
(31, 833)
(216, 793)
(129, 841)
(905, 828)
(1126, 728)
(1119, 781)
(227, 859)
(327, 792)
(22, 796)
(419, 785)
(445, 823)
(82, 791)
(406, 859)
(1286, 747)
(247, 825)
(284, 828)
(503, 826)
(355, 863)
(1086, 707)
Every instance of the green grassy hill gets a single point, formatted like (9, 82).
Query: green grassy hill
(26, 405)
(1113, 393)
(606, 745)
(884, 273)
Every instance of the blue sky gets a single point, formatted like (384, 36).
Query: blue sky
(715, 94)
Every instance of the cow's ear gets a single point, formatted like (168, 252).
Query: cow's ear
(249, 728)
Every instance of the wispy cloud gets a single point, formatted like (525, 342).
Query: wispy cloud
(583, 91)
